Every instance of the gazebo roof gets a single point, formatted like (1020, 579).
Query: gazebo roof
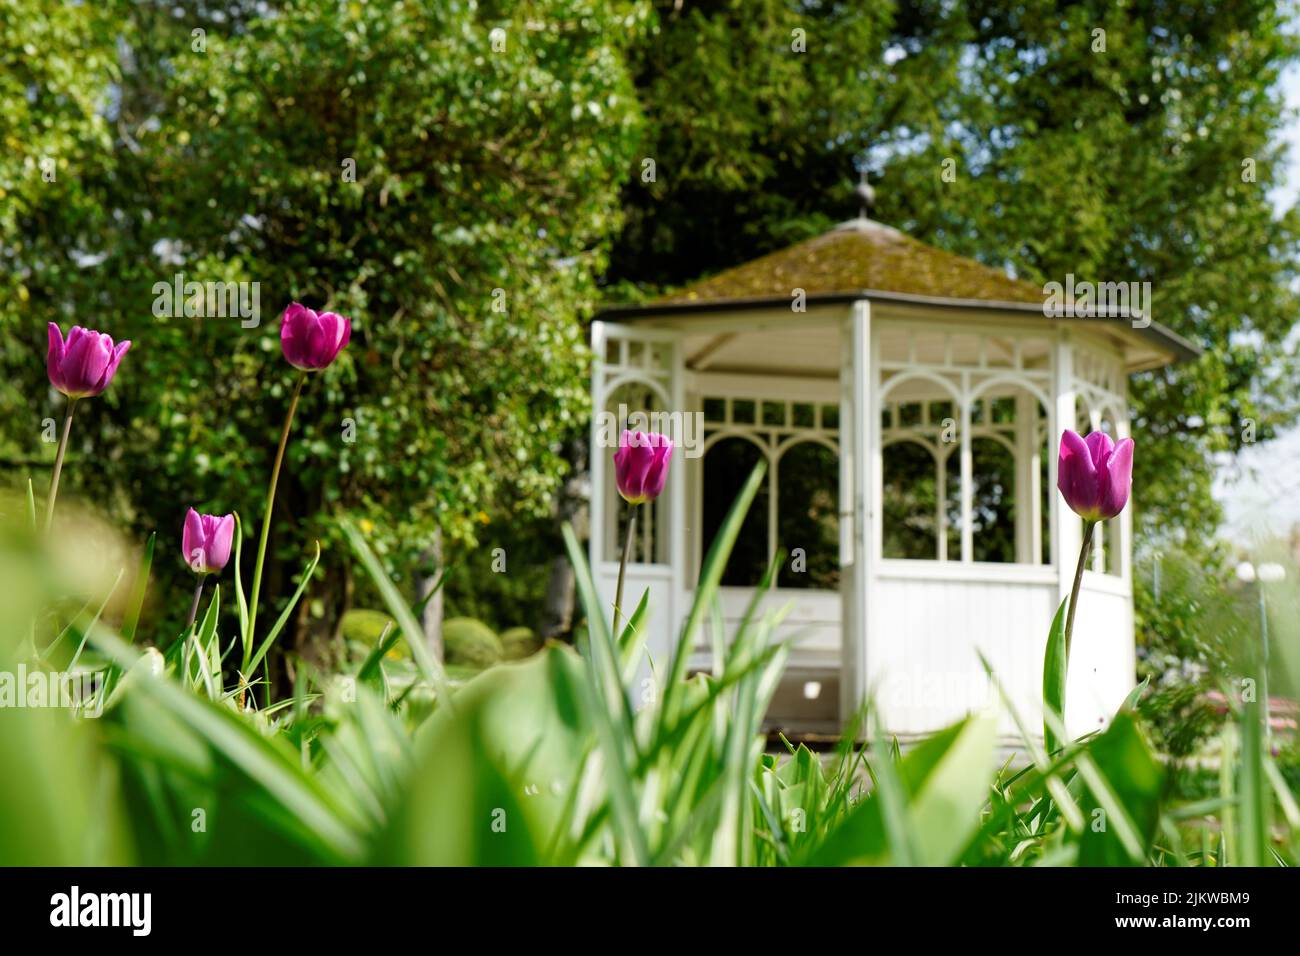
(856, 255)
(865, 259)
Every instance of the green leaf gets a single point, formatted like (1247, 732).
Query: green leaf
(1123, 783)
(308, 571)
(520, 731)
(932, 800)
(287, 787)
(1055, 669)
(203, 640)
(136, 601)
(245, 639)
(72, 665)
(1135, 695)
(710, 578)
(431, 670)
(613, 729)
(370, 667)
(1253, 790)
(632, 641)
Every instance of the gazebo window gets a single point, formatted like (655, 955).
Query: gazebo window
(964, 446)
(1100, 405)
(807, 509)
(727, 464)
(911, 501)
(993, 508)
(797, 507)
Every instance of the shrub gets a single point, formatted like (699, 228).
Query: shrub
(519, 642)
(470, 643)
(365, 626)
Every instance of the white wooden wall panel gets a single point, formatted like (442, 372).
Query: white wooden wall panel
(812, 625)
(923, 661)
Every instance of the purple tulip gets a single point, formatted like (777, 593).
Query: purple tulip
(84, 364)
(310, 341)
(206, 541)
(641, 465)
(1095, 474)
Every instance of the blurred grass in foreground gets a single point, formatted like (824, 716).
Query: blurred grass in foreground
(545, 761)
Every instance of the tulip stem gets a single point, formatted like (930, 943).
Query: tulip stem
(194, 608)
(58, 465)
(266, 517)
(622, 569)
(1088, 527)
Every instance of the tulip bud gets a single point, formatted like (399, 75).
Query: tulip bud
(641, 465)
(84, 364)
(311, 341)
(206, 541)
(1095, 474)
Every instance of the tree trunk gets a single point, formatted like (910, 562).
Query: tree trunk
(318, 640)
(570, 508)
(431, 618)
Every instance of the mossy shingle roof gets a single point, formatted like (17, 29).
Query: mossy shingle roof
(863, 259)
(857, 256)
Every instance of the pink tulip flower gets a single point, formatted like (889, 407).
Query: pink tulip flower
(310, 341)
(641, 465)
(1095, 474)
(206, 541)
(83, 365)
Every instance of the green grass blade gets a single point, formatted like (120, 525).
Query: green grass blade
(710, 579)
(72, 665)
(1253, 824)
(632, 641)
(136, 602)
(1055, 667)
(612, 729)
(245, 639)
(388, 639)
(1135, 695)
(269, 765)
(418, 610)
(203, 639)
(307, 573)
(410, 627)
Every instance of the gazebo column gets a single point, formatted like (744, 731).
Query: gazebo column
(1027, 490)
(967, 490)
(1126, 516)
(857, 396)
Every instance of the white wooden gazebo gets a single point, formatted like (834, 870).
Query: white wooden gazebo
(908, 403)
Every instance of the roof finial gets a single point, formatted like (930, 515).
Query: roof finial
(865, 193)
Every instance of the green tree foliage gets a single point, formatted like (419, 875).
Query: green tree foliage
(1122, 163)
(1149, 159)
(756, 111)
(55, 71)
(447, 175)
(213, 140)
